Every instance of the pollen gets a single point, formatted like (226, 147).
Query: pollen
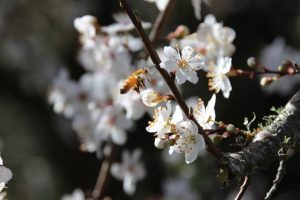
(182, 63)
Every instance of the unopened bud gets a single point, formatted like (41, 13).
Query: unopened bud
(290, 152)
(287, 67)
(172, 142)
(216, 138)
(180, 32)
(265, 81)
(159, 143)
(230, 128)
(251, 62)
(151, 98)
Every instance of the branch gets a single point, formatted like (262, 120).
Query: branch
(161, 21)
(265, 146)
(243, 188)
(103, 177)
(277, 180)
(171, 84)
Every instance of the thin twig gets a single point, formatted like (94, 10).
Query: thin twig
(161, 21)
(243, 188)
(277, 180)
(156, 60)
(103, 177)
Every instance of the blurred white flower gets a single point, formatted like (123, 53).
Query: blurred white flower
(211, 40)
(87, 27)
(132, 103)
(205, 116)
(76, 195)
(161, 4)
(190, 142)
(184, 64)
(178, 189)
(217, 76)
(113, 124)
(216, 39)
(123, 24)
(272, 56)
(130, 171)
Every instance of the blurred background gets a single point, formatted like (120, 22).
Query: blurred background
(37, 38)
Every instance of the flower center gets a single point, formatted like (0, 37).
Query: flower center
(182, 63)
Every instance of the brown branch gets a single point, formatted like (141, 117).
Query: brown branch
(104, 174)
(161, 21)
(243, 188)
(171, 84)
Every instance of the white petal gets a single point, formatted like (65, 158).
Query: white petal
(169, 65)
(192, 76)
(171, 53)
(129, 184)
(118, 136)
(191, 156)
(180, 77)
(117, 171)
(210, 109)
(226, 87)
(136, 155)
(178, 115)
(197, 8)
(5, 174)
(161, 4)
(200, 142)
(227, 65)
(187, 52)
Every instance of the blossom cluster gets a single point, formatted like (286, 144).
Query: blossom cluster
(103, 104)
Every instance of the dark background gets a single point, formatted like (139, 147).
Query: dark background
(37, 38)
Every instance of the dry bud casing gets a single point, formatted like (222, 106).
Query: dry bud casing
(135, 81)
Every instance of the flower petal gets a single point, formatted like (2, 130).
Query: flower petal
(169, 65)
(187, 52)
(191, 155)
(171, 53)
(226, 87)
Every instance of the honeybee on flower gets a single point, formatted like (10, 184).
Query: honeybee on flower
(135, 81)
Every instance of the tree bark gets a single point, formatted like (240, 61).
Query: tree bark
(265, 145)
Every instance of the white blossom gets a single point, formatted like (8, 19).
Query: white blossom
(184, 64)
(130, 171)
(76, 195)
(123, 24)
(87, 27)
(206, 116)
(151, 98)
(190, 142)
(161, 123)
(218, 79)
(113, 125)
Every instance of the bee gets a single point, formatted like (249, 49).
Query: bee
(135, 81)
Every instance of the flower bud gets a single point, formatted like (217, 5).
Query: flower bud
(159, 143)
(251, 62)
(287, 67)
(230, 128)
(151, 98)
(265, 81)
(180, 32)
